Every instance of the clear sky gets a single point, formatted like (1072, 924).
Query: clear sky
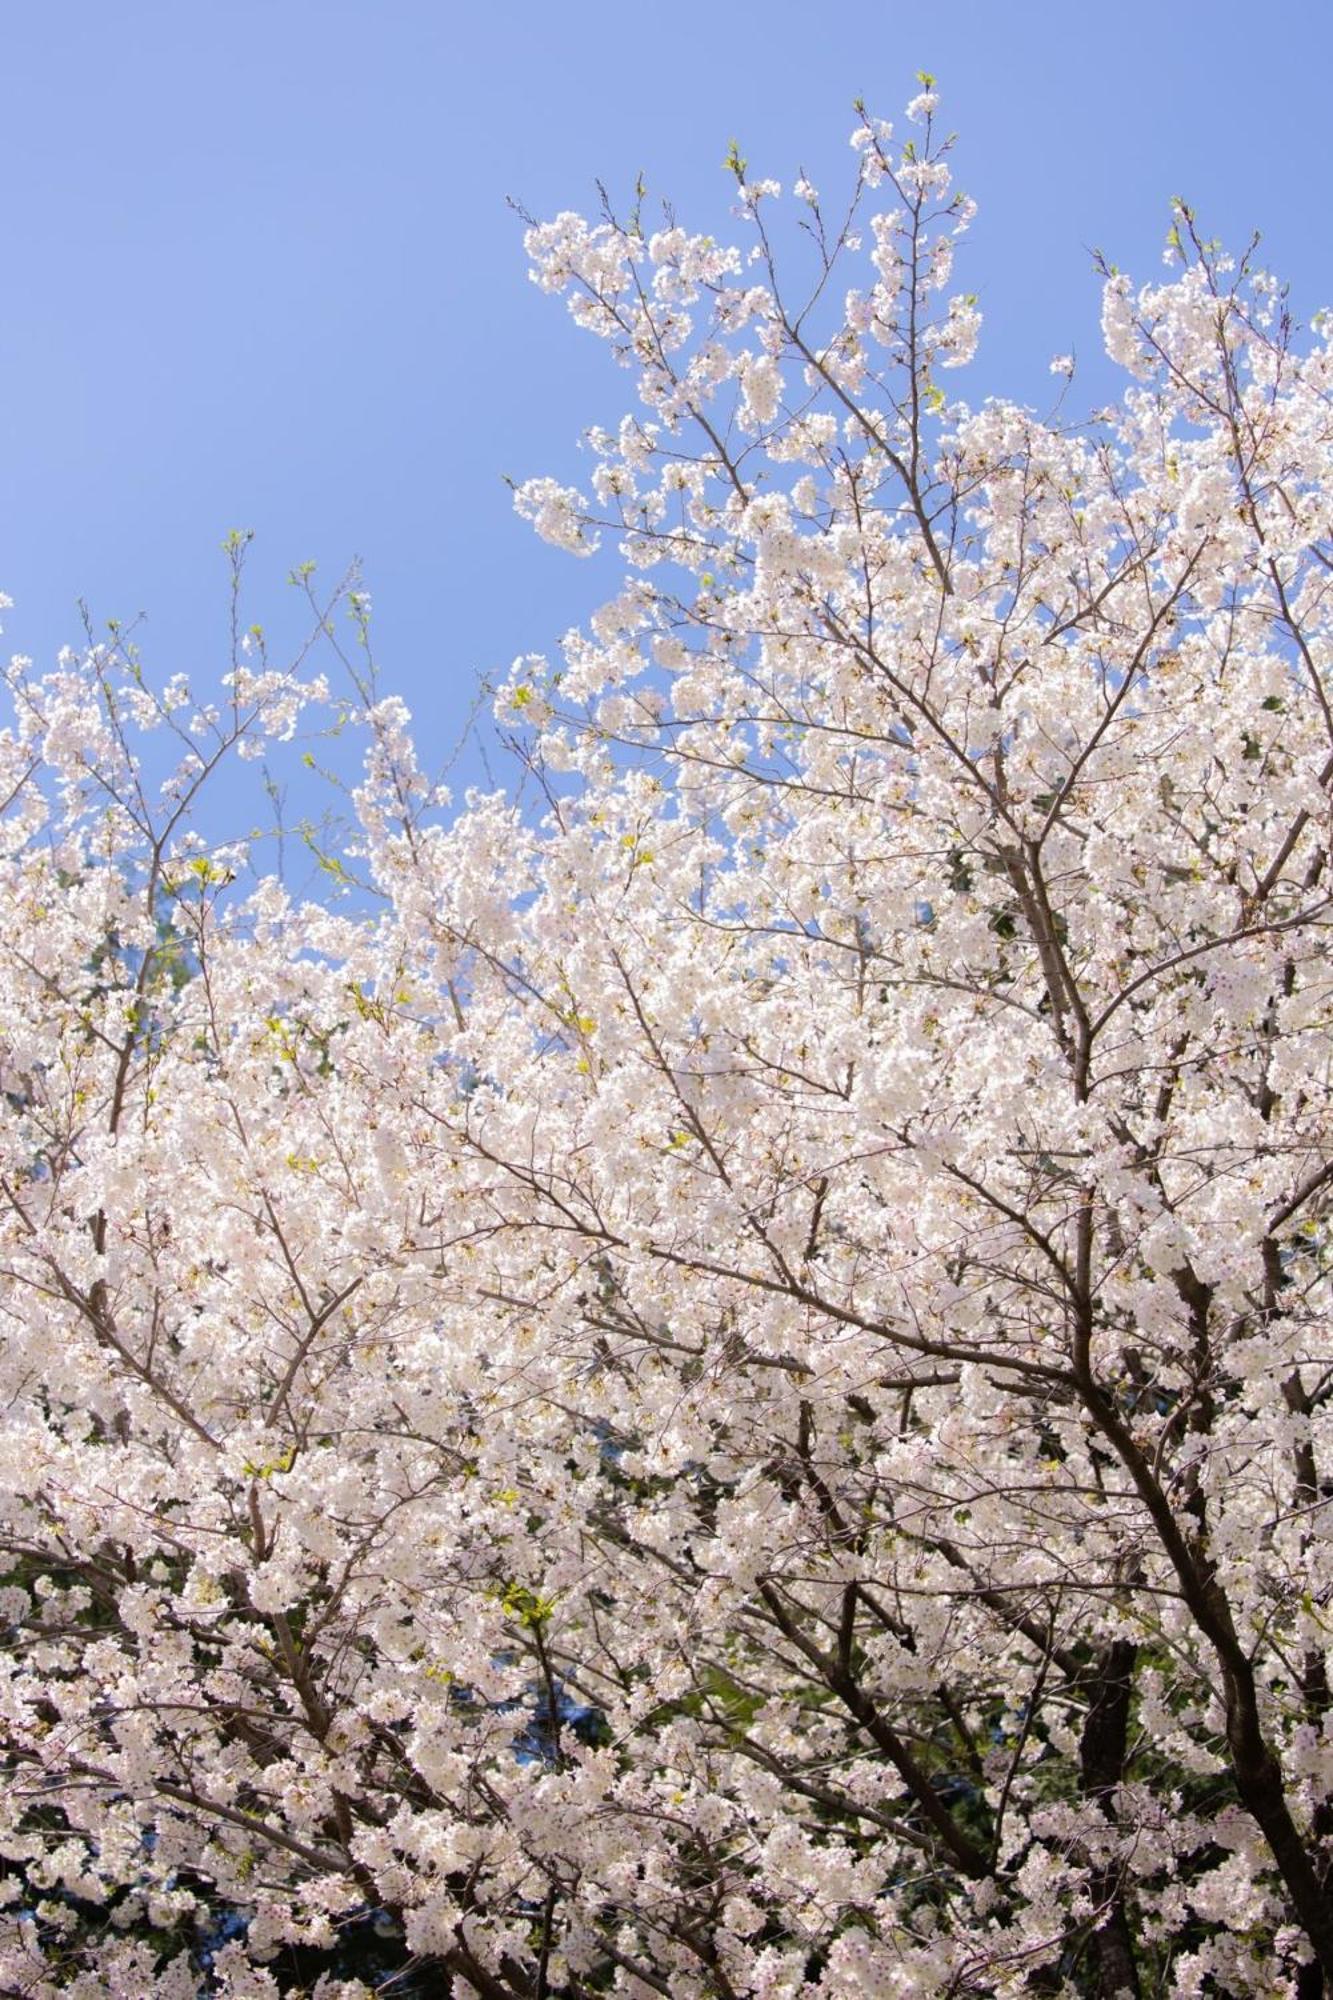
(258, 270)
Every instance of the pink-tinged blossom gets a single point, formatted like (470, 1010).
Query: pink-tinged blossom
(710, 1377)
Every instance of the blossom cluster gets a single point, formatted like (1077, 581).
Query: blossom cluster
(725, 1392)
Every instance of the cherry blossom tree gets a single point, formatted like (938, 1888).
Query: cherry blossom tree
(717, 1382)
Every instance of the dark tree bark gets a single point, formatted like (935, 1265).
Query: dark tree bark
(1102, 1754)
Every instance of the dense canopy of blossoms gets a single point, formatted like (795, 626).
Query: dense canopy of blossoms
(720, 1387)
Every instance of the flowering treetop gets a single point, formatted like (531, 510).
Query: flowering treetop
(723, 1393)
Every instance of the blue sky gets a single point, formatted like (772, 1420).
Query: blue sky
(258, 270)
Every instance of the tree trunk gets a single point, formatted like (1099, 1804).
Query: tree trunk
(1102, 1763)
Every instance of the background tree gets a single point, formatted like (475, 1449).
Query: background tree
(724, 1392)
